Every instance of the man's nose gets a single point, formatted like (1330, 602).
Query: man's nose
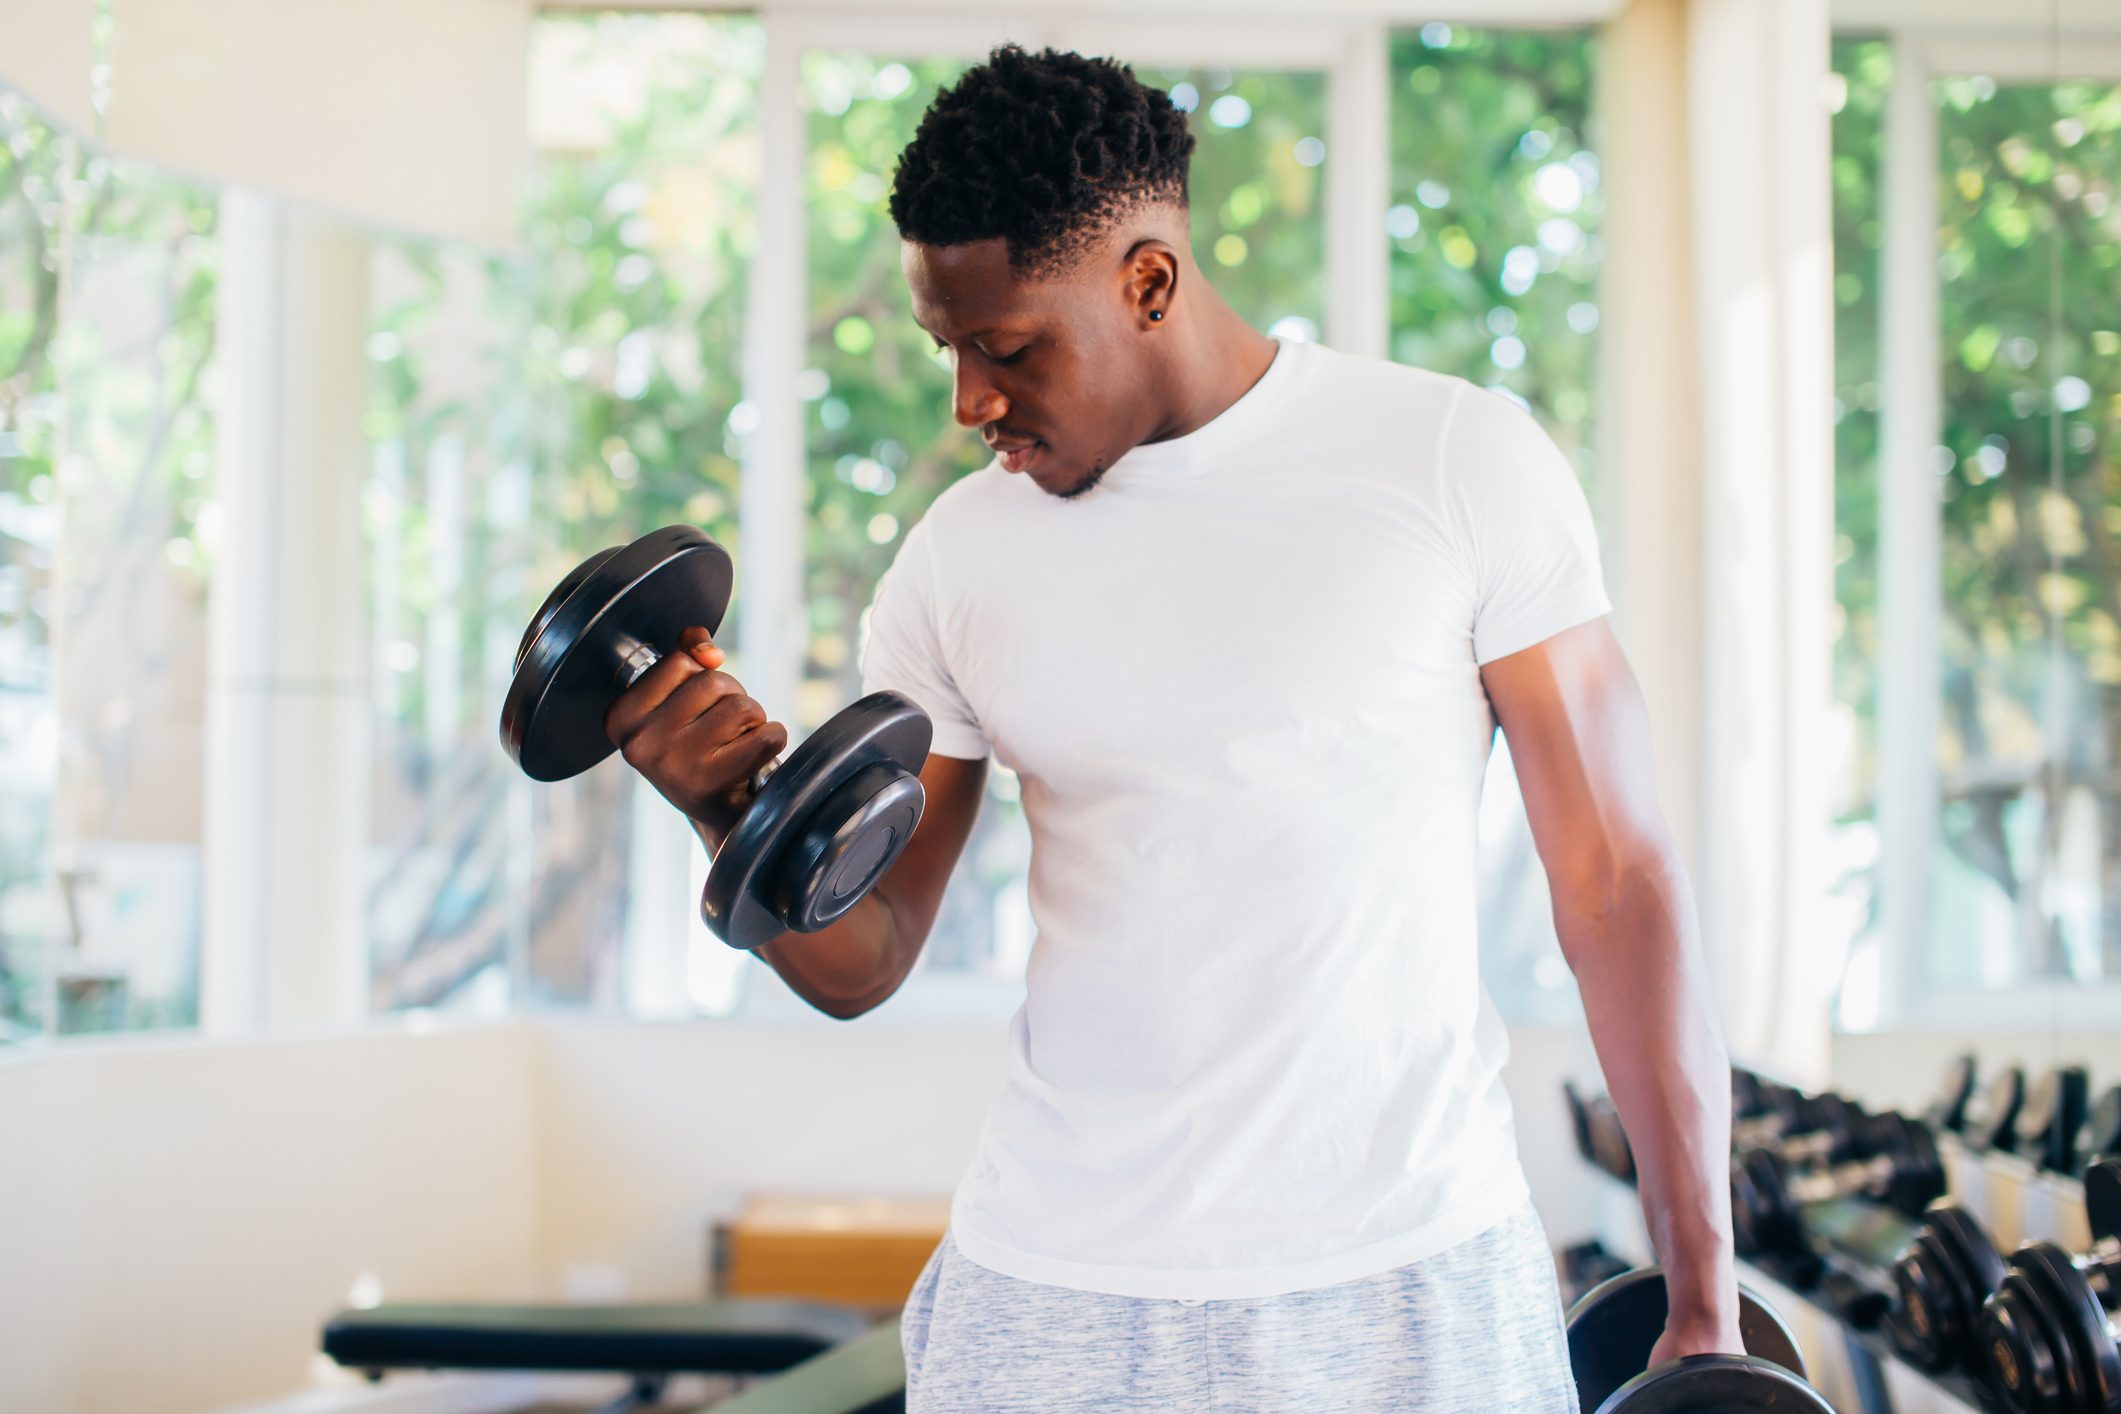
(975, 401)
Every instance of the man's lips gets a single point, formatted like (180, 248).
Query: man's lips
(1015, 455)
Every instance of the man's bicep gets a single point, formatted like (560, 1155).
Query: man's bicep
(1580, 741)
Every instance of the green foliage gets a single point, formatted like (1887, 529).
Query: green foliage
(2029, 485)
(1496, 205)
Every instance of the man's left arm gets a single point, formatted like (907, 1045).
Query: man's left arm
(1579, 737)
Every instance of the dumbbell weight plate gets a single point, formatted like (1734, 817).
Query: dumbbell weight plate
(1715, 1384)
(572, 662)
(1942, 1279)
(826, 824)
(1615, 1326)
(2102, 1130)
(2048, 1121)
(1954, 1093)
(1993, 1127)
(2045, 1344)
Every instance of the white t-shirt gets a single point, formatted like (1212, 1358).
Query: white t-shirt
(1240, 682)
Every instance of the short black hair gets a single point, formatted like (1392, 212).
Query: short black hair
(1045, 151)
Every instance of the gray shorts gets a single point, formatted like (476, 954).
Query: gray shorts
(1476, 1328)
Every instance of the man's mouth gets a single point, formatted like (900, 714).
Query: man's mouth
(1016, 455)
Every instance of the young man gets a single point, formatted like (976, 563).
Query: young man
(1244, 615)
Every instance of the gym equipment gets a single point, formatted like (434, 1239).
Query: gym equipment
(1805, 1128)
(1770, 1195)
(1991, 1125)
(1955, 1091)
(2048, 1335)
(647, 1344)
(2051, 1119)
(864, 1376)
(1940, 1282)
(1613, 1329)
(1579, 1120)
(2102, 1128)
(822, 826)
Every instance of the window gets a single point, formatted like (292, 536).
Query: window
(106, 337)
(1495, 253)
(2024, 870)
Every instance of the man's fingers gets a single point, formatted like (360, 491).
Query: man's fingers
(637, 703)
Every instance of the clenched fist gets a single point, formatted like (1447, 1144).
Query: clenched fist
(691, 730)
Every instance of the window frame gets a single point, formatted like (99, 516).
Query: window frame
(1911, 528)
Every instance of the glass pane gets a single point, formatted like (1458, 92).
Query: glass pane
(2029, 871)
(129, 640)
(34, 160)
(446, 517)
(1494, 267)
(881, 440)
(1494, 216)
(644, 129)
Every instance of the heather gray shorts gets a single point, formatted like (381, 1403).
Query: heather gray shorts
(1475, 1329)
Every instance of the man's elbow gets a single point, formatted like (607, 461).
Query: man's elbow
(1609, 890)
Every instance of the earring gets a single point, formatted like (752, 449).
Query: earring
(1156, 314)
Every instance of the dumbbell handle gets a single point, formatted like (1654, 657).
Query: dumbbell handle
(640, 660)
(1842, 1179)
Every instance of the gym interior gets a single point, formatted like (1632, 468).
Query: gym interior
(346, 1067)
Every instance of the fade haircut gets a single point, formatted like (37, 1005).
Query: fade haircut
(1047, 151)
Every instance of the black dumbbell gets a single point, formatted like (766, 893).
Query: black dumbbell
(2101, 1138)
(1900, 1168)
(822, 826)
(2048, 1335)
(1579, 1120)
(1991, 1123)
(1613, 1329)
(1939, 1284)
(2051, 1120)
(1955, 1091)
(1805, 1129)
(1610, 1149)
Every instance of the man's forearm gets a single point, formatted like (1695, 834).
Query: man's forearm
(1633, 949)
(843, 969)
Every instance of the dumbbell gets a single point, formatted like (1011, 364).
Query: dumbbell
(2051, 1120)
(2048, 1335)
(1615, 1326)
(1991, 1123)
(1955, 1091)
(1939, 1285)
(1901, 1169)
(2101, 1138)
(821, 827)
(1579, 1121)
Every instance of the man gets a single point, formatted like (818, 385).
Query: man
(1244, 615)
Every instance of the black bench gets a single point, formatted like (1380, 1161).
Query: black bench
(649, 1344)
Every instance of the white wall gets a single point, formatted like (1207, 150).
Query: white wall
(182, 1215)
(1902, 1068)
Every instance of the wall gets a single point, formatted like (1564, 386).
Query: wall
(1902, 1068)
(178, 1217)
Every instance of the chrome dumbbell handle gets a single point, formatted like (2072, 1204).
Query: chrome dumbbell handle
(639, 659)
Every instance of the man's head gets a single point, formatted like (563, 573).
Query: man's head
(1043, 207)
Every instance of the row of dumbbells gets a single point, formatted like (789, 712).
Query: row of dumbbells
(2036, 1333)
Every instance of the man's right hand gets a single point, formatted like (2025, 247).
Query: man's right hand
(694, 734)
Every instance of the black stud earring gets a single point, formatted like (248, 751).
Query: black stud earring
(1156, 314)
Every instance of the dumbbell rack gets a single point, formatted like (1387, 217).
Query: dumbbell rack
(1858, 1371)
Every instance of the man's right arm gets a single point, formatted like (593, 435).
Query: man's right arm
(859, 961)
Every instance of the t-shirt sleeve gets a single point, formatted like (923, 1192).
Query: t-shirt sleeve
(902, 649)
(1525, 526)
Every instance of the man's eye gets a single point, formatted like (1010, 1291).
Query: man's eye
(1006, 358)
